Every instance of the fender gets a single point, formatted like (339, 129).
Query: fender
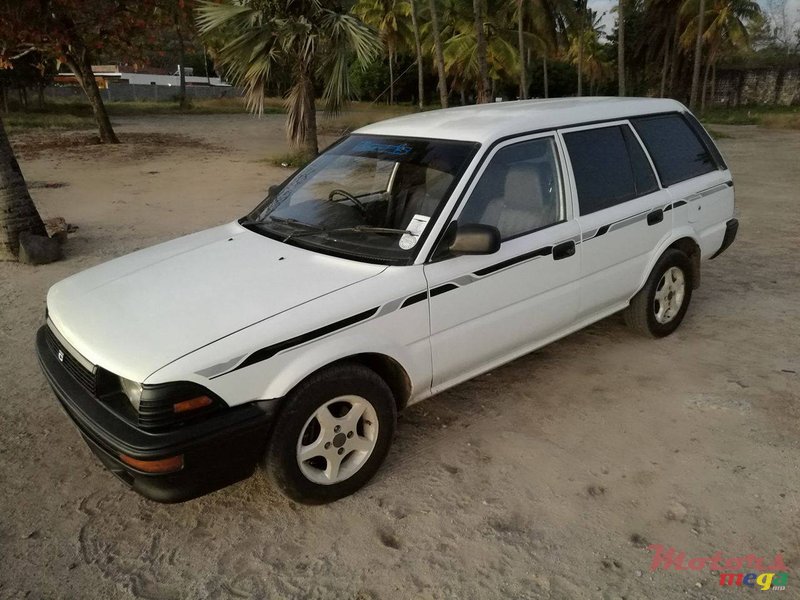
(684, 231)
(284, 371)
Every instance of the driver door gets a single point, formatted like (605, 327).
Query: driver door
(488, 309)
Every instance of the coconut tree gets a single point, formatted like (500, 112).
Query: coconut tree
(387, 16)
(480, 51)
(17, 211)
(550, 20)
(306, 37)
(438, 55)
(621, 46)
(411, 10)
(587, 53)
(698, 50)
(726, 28)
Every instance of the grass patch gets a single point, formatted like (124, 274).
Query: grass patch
(718, 135)
(765, 116)
(17, 121)
(290, 160)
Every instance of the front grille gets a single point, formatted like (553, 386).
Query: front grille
(80, 373)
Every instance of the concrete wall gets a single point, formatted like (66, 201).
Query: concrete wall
(736, 87)
(155, 93)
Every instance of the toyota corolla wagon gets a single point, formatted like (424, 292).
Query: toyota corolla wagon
(410, 256)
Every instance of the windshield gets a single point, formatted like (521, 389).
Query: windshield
(369, 198)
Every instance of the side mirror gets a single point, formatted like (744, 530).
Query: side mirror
(475, 239)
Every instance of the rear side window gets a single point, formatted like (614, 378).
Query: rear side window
(609, 166)
(677, 151)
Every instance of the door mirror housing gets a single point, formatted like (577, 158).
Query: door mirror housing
(474, 239)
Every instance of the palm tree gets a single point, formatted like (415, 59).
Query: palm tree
(480, 46)
(726, 30)
(580, 15)
(306, 38)
(621, 46)
(698, 50)
(412, 11)
(17, 211)
(586, 52)
(550, 20)
(386, 17)
(523, 84)
(438, 53)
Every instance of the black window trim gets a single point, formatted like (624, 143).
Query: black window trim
(713, 154)
(557, 128)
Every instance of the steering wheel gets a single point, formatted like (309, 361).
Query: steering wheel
(347, 196)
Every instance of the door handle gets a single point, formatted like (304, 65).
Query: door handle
(655, 217)
(563, 250)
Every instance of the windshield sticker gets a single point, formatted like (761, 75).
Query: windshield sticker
(393, 149)
(415, 229)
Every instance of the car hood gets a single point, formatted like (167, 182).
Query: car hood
(136, 314)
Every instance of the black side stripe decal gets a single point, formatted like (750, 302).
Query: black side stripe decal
(270, 351)
(447, 287)
(414, 299)
(513, 261)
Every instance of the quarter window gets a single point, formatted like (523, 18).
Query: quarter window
(609, 167)
(519, 191)
(676, 150)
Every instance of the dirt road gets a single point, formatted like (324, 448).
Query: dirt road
(545, 479)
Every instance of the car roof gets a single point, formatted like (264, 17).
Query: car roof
(486, 123)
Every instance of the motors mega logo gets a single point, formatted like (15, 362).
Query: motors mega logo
(750, 571)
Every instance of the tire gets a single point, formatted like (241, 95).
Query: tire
(341, 448)
(658, 314)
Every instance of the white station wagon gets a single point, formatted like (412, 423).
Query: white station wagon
(410, 256)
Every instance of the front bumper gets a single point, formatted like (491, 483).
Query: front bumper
(217, 451)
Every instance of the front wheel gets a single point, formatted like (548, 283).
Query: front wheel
(659, 307)
(333, 434)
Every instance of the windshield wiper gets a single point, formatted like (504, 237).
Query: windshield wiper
(287, 220)
(357, 229)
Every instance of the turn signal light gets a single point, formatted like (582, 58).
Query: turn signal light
(163, 465)
(193, 404)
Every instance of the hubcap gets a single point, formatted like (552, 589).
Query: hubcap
(669, 295)
(337, 440)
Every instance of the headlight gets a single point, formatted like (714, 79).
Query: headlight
(132, 390)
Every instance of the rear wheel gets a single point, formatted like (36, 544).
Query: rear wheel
(661, 304)
(333, 434)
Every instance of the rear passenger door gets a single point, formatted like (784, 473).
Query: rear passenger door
(620, 212)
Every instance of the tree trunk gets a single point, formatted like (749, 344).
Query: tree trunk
(698, 52)
(438, 53)
(621, 47)
(675, 55)
(544, 76)
(418, 48)
(705, 85)
(580, 51)
(391, 76)
(40, 93)
(302, 114)
(665, 66)
(81, 67)
(480, 50)
(3, 98)
(17, 211)
(182, 101)
(523, 84)
(713, 82)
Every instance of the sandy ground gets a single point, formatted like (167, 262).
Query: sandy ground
(545, 479)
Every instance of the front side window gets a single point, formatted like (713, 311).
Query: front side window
(368, 198)
(676, 150)
(519, 191)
